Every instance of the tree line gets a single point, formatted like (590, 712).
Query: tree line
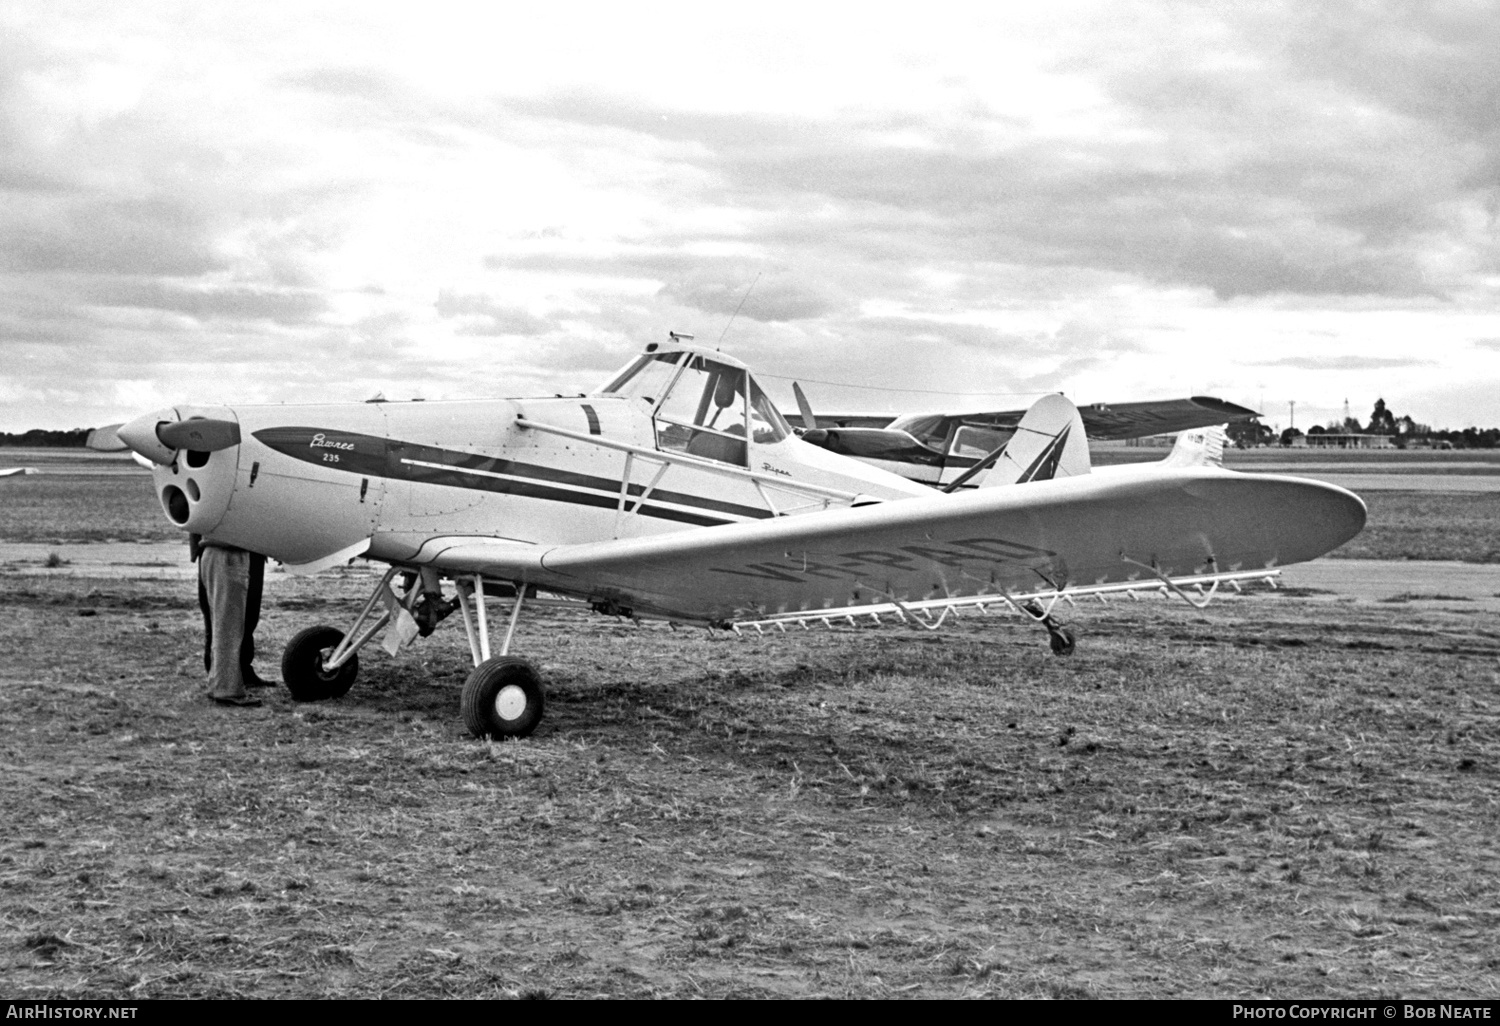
(1403, 431)
(37, 438)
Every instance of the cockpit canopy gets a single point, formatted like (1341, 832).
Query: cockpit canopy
(704, 404)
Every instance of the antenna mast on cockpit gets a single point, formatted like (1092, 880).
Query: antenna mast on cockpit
(737, 310)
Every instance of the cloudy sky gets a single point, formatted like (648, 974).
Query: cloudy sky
(268, 202)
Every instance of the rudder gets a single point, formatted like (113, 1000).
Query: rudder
(1049, 442)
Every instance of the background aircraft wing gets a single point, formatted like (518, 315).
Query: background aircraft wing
(1120, 420)
(1101, 420)
(1159, 416)
(1079, 531)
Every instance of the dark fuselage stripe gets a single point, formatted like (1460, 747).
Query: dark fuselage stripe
(404, 461)
(492, 465)
(458, 478)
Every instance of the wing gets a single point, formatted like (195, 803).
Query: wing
(1159, 417)
(1111, 420)
(1074, 531)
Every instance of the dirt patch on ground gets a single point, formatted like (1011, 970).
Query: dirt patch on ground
(1276, 798)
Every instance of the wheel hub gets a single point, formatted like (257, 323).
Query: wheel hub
(510, 702)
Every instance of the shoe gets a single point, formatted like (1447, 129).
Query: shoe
(246, 700)
(254, 680)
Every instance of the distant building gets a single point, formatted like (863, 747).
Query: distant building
(1331, 440)
(1148, 442)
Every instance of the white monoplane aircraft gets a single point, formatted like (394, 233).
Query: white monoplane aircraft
(937, 448)
(678, 491)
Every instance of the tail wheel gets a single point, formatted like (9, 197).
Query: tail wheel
(1062, 641)
(303, 661)
(503, 698)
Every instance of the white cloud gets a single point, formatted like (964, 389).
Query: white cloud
(1119, 199)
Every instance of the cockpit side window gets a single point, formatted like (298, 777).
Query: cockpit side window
(972, 441)
(767, 425)
(705, 412)
(702, 407)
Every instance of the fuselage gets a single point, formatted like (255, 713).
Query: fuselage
(305, 482)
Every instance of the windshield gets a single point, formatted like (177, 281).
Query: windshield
(648, 377)
(929, 429)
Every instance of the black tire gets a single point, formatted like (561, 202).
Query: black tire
(302, 666)
(1062, 641)
(503, 698)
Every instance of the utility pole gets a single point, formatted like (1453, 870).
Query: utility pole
(1291, 413)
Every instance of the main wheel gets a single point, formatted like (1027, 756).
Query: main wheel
(503, 698)
(302, 666)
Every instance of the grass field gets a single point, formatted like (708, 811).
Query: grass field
(1276, 797)
(1260, 801)
(45, 508)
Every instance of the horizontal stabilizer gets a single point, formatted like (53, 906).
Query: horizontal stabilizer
(1049, 443)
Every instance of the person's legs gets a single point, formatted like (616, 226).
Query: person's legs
(226, 577)
(208, 620)
(257, 572)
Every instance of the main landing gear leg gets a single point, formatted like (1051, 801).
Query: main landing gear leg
(503, 697)
(1059, 637)
(322, 662)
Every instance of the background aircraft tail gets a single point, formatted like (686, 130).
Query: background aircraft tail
(1049, 442)
(1200, 447)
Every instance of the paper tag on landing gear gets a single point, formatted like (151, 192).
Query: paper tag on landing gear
(403, 627)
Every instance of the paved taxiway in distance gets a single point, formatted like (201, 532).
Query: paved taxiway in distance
(1432, 584)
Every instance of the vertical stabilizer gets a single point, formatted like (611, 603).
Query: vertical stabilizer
(1200, 447)
(1049, 442)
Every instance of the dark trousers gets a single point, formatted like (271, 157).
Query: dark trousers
(252, 615)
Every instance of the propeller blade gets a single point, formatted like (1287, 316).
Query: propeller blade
(199, 434)
(106, 439)
(808, 420)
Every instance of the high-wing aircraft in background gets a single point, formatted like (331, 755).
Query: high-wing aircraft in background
(939, 448)
(678, 491)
